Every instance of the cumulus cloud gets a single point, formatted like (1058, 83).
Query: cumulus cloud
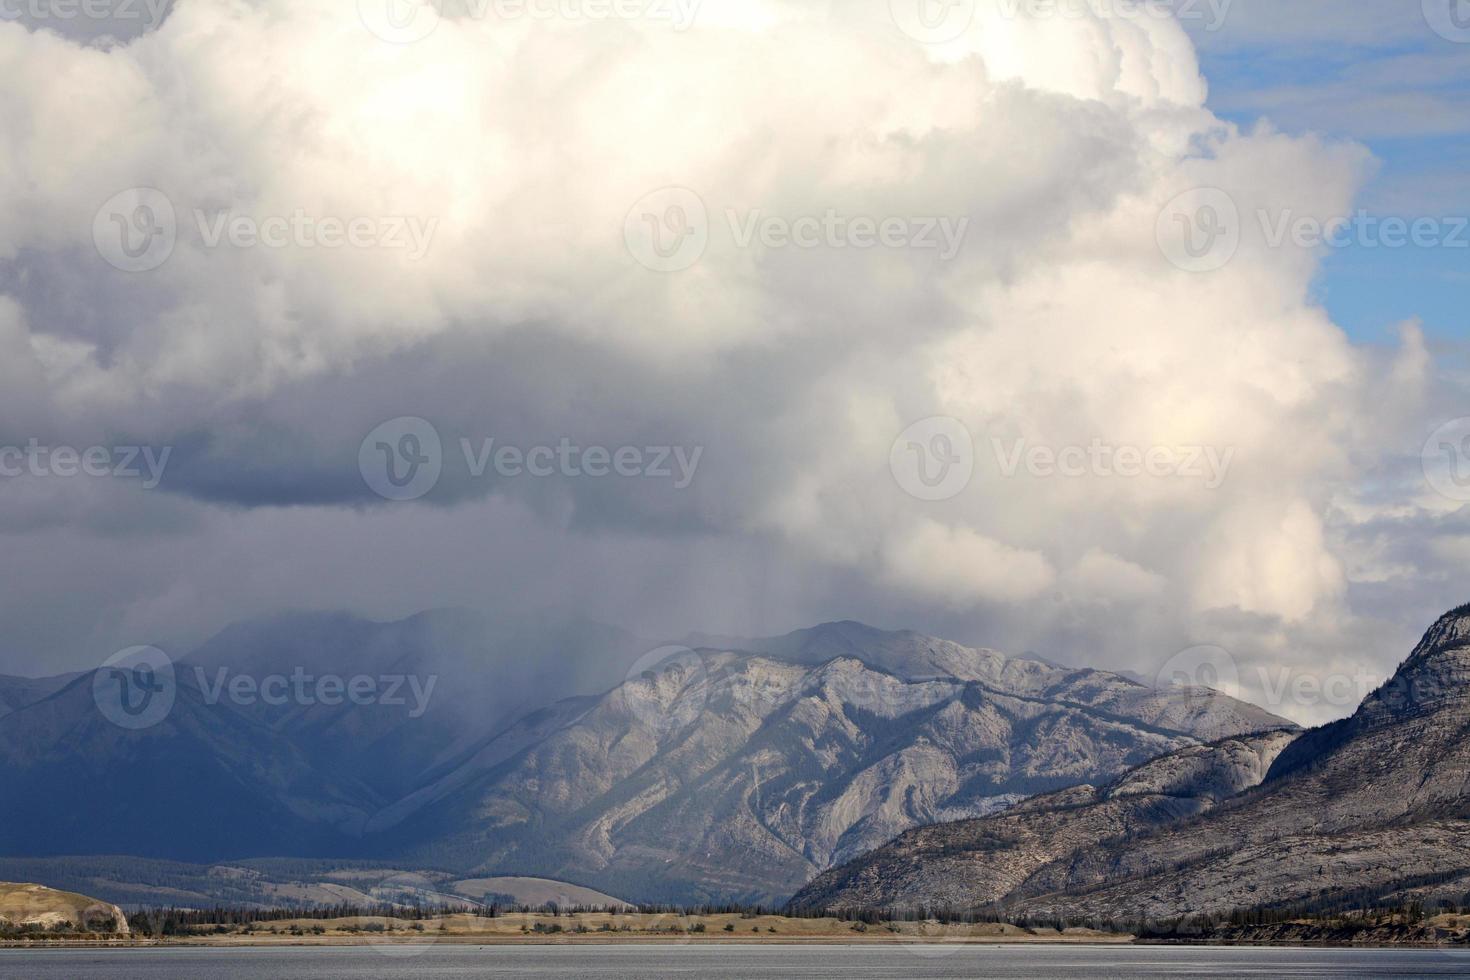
(960, 566)
(531, 154)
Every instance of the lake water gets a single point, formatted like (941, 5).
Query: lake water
(631, 962)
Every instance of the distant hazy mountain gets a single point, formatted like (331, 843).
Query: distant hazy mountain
(474, 676)
(205, 783)
(718, 774)
(1374, 808)
(17, 692)
(222, 777)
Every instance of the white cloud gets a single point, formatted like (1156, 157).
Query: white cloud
(1059, 140)
(1106, 576)
(960, 567)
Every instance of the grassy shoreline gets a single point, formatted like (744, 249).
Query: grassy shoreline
(533, 928)
(329, 942)
(741, 928)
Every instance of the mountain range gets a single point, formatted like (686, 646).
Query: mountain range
(1372, 810)
(734, 771)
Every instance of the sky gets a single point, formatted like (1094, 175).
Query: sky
(1374, 74)
(1076, 330)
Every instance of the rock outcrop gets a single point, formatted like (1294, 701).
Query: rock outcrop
(46, 909)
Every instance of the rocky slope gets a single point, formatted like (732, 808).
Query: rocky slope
(17, 692)
(984, 862)
(726, 774)
(1374, 808)
(46, 909)
(773, 770)
(204, 784)
(1203, 713)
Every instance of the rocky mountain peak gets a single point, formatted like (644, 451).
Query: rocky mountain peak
(1450, 632)
(1435, 675)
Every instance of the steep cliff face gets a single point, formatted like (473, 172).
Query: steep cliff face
(39, 907)
(1374, 806)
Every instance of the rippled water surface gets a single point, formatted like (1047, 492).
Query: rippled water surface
(629, 962)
